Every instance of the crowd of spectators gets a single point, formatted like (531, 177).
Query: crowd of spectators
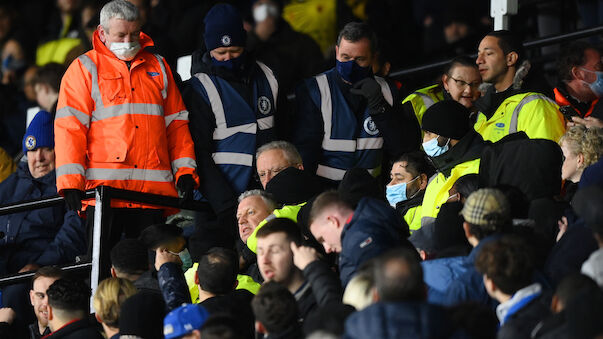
(331, 200)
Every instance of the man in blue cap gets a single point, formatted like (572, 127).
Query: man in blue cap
(232, 101)
(40, 237)
(185, 322)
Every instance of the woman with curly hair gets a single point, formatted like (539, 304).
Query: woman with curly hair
(581, 148)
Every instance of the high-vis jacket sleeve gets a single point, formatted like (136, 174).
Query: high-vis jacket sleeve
(541, 119)
(74, 110)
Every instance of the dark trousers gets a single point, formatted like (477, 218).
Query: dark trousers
(120, 222)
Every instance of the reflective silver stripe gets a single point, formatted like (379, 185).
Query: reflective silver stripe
(129, 108)
(373, 171)
(266, 123)
(164, 74)
(95, 90)
(369, 143)
(326, 108)
(129, 174)
(427, 100)
(330, 172)
(525, 101)
(221, 134)
(271, 81)
(226, 158)
(222, 131)
(67, 111)
(70, 169)
(339, 145)
(385, 90)
(183, 162)
(182, 115)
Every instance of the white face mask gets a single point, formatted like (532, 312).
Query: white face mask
(261, 12)
(125, 50)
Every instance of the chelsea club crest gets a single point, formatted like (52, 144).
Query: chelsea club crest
(264, 105)
(30, 142)
(226, 40)
(370, 127)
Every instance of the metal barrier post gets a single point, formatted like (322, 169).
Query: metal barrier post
(102, 205)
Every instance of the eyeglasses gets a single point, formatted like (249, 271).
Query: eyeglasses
(463, 83)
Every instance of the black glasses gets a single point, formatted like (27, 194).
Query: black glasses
(463, 83)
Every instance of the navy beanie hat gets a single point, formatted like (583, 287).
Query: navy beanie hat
(224, 27)
(40, 132)
(447, 118)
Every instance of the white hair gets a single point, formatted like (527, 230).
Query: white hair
(119, 9)
(266, 197)
(291, 154)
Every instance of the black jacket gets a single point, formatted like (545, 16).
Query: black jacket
(76, 330)
(236, 304)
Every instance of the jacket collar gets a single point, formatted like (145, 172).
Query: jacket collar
(517, 302)
(99, 46)
(470, 147)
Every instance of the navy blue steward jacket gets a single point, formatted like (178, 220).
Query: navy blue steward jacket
(231, 115)
(334, 130)
(374, 229)
(399, 320)
(47, 236)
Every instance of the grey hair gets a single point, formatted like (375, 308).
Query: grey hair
(267, 197)
(119, 9)
(291, 154)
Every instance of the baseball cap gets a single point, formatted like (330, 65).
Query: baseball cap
(486, 207)
(183, 320)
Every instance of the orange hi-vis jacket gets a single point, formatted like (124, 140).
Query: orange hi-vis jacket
(120, 127)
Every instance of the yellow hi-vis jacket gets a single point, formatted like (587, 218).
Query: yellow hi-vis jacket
(436, 192)
(423, 98)
(531, 112)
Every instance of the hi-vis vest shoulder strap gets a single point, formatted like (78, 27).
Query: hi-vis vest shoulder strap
(523, 102)
(427, 100)
(326, 108)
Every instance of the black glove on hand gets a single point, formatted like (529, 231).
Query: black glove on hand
(186, 185)
(73, 199)
(371, 90)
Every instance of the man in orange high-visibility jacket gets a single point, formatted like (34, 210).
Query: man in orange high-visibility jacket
(121, 122)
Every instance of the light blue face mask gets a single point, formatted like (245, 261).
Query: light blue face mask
(397, 193)
(597, 86)
(432, 148)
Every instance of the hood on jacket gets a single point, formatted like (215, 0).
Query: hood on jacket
(399, 320)
(99, 46)
(470, 147)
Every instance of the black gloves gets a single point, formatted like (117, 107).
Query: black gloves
(371, 90)
(73, 199)
(186, 185)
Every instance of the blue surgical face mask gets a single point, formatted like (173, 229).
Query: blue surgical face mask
(597, 86)
(432, 148)
(397, 193)
(351, 72)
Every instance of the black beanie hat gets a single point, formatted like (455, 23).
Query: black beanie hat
(142, 315)
(448, 119)
(293, 186)
(155, 235)
(224, 27)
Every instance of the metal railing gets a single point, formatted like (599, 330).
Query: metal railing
(103, 196)
(546, 41)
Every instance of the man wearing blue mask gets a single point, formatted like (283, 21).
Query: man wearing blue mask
(581, 84)
(232, 100)
(454, 148)
(346, 117)
(409, 177)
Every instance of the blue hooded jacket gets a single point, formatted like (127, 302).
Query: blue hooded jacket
(46, 236)
(375, 228)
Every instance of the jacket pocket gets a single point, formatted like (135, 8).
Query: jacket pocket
(112, 86)
(110, 150)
